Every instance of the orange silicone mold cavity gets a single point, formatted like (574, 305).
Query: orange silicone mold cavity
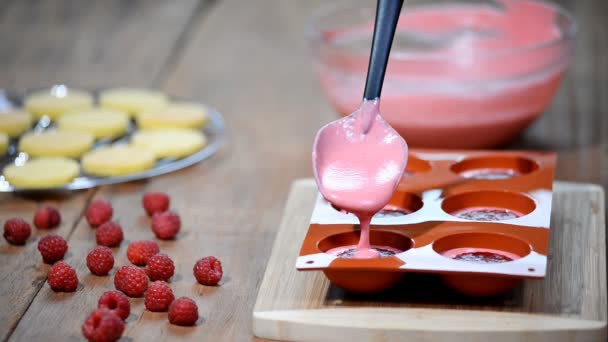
(465, 205)
(416, 165)
(493, 241)
(475, 284)
(494, 167)
(403, 202)
(367, 280)
(363, 281)
(394, 240)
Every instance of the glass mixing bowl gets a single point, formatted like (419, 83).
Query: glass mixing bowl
(462, 74)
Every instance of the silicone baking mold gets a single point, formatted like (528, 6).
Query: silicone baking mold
(213, 130)
(480, 219)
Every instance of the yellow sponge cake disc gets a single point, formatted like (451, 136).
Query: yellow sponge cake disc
(174, 143)
(175, 115)
(117, 161)
(57, 101)
(15, 122)
(42, 173)
(56, 143)
(132, 100)
(101, 123)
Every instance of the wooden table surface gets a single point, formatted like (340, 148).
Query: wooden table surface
(250, 59)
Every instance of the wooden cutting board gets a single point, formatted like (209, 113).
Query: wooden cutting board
(568, 305)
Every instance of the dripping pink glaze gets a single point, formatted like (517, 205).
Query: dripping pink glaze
(358, 162)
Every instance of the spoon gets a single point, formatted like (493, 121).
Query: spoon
(359, 160)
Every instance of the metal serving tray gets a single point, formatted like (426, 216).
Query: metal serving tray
(214, 131)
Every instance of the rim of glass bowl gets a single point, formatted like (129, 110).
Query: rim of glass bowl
(315, 29)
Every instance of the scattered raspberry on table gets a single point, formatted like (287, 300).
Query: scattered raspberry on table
(109, 234)
(46, 218)
(183, 311)
(100, 260)
(17, 231)
(103, 326)
(160, 267)
(131, 280)
(166, 225)
(62, 277)
(116, 302)
(158, 297)
(52, 248)
(155, 202)
(99, 212)
(140, 251)
(208, 271)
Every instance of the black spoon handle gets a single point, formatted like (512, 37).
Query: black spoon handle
(387, 15)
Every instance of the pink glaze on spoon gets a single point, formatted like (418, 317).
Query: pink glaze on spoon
(359, 159)
(358, 162)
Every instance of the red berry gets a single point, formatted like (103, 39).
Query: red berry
(155, 202)
(208, 271)
(131, 280)
(159, 297)
(47, 217)
(109, 234)
(52, 248)
(140, 251)
(62, 278)
(116, 302)
(166, 225)
(100, 260)
(183, 311)
(160, 267)
(103, 326)
(98, 212)
(17, 231)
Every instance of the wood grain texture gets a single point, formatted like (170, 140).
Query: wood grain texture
(94, 45)
(400, 324)
(88, 44)
(575, 285)
(194, 241)
(22, 271)
(250, 59)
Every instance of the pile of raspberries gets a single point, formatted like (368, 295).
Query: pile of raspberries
(148, 277)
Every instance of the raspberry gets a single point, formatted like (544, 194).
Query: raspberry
(98, 212)
(52, 248)
(100, 260)
(208, 271)
(131, 280)
(140, 251)
(160, 267)
(103, 326)
(116, 302)
(183, 311)
(17, 231)
(109, 234)
(62, 278)
(47, 217)
(166, 225)
(159, 297)
(155, 202)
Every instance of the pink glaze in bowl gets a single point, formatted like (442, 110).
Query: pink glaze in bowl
(461, 74)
